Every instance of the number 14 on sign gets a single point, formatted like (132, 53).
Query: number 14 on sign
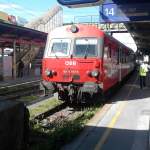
(109, 11)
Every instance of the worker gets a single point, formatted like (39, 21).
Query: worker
(20, 68)
(143, 73)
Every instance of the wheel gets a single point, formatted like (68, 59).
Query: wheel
(99, 97)
(63, 96)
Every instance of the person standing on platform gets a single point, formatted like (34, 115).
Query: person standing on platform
(143, 73)
(20, 68)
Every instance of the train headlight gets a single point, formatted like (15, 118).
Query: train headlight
(54, 72)
(48, 73)
(95, 73)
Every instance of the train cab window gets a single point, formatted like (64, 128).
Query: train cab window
(59, 47)
(85, 47)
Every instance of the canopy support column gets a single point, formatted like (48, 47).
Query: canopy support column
(14, 60)
(1, 64)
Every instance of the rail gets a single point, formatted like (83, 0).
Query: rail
(13, 92)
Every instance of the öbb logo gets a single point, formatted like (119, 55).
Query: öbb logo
(70, 63)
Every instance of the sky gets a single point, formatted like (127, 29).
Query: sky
(126, 39)
(31, 9)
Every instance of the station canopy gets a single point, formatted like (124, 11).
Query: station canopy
(21, 35)
(135, 14)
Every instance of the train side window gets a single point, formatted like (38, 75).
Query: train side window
(118, 51)
(110, 53)
(107, 52)
(123, 57)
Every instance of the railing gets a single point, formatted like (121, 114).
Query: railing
(94, 20)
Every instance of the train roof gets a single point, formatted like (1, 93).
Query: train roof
(112, 38)
(60, 32)
(84, 31)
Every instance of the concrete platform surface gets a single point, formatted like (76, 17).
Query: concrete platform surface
(125, 126)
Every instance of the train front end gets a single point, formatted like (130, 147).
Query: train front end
(72, 64)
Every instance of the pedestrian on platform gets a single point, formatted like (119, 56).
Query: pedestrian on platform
(20, 68)
(143, 73)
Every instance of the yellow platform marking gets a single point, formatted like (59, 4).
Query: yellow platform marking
(110, 126)
(114, 120)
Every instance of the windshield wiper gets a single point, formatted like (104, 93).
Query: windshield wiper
(86, 52)
(71, 56)
(56, 55)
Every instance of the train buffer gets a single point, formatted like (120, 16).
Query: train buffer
(122, 124)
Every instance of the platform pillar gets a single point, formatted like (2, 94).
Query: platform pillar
(1, 64)
(14, 60)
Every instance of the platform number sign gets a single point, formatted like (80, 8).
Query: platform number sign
(111, 12)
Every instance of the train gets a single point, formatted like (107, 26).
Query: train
(81, 61)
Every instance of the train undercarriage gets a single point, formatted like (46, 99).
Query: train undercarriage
(73, 93)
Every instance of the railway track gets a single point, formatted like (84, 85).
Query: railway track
(58, 119)
(58, 116)
(13, 92)
(50, 112)
(58, 125)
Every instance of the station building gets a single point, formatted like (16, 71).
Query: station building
(25, 43)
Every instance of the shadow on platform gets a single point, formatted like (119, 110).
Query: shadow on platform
(117, 139)
(131, 90)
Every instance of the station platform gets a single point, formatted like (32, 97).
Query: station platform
(122, 124)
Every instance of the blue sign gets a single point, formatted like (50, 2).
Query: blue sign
(124, 13)
(76, 2)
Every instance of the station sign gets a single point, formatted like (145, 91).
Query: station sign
(80, 3)
(113, 13)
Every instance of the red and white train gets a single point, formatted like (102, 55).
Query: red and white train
(81, 60)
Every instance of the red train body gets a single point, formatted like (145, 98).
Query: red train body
(81, 60)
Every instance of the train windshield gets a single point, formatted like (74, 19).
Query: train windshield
(85, 47)
(59, 47)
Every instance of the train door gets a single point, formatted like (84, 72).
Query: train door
(124, 65)
(114, 61)
(119, 64)
(107, 64)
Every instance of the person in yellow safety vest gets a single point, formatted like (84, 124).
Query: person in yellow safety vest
(143, 73)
